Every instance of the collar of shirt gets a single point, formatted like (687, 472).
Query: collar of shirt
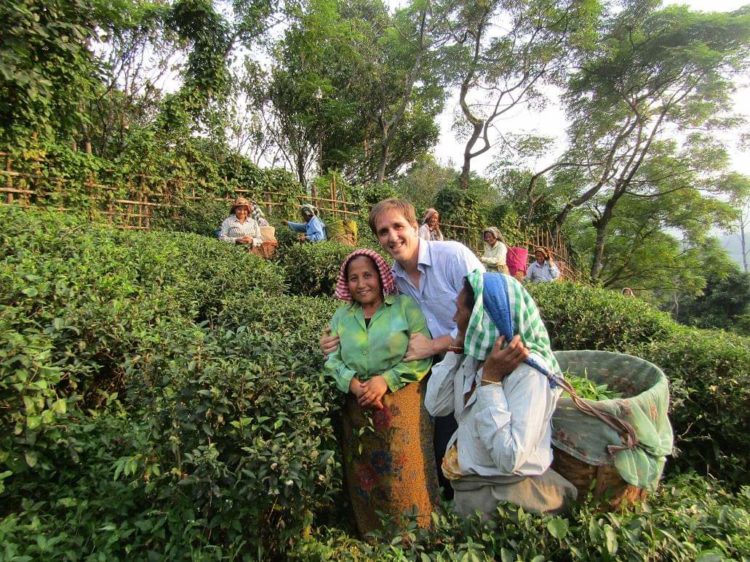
(424, 260)
(356, 309)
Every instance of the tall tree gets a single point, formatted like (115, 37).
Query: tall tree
(653, 246)
(501, 52)
(653, 73)
(741, 201)
(47, 69)
(405, 91)
(352, 86)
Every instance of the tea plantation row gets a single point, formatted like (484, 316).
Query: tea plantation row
(161, 398)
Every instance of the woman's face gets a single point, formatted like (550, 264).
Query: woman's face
(539, 257)
(490, 238)
(241, 213)
(463, 312)
(433, 221)
(364, 282)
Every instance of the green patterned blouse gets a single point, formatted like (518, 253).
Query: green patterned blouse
(377, 349)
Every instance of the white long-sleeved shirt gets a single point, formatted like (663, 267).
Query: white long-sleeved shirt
(503, 429)
(232, 228)
(494, 256)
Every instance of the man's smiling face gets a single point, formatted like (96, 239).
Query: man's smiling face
(397, 236)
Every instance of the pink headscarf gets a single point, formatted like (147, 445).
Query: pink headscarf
(387, 282)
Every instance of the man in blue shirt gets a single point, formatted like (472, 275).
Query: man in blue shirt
(313, 229)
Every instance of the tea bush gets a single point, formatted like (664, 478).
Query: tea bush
(579, 317)
(160, 398)
(134, 428)
(312, 269)
(709, 372)
(688, 519)
(199, 217)
(224, 430)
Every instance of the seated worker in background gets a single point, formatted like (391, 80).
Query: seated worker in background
(313, 229)
(495, 251)
(502, 449)
(543, 268)
(430, 229)
(239, 227)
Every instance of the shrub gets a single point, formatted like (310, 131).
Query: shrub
(160, 399)
(130, 426)
(77, 302)
(239, 426)
(312, 269)
(199, 217)
(217, 444)
(709, 372)
(579, 317)
(286, 238)
(688, 519)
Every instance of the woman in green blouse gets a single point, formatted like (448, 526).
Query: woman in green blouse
(388, 456)
(374, 331)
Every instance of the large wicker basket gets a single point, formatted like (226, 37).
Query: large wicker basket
(604, 482)
(583, 445)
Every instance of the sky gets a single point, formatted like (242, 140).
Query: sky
(552, 123)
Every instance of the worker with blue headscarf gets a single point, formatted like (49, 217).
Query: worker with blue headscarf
(502, 450)
(313, 229)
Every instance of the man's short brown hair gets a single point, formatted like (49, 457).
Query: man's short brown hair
(403, 207)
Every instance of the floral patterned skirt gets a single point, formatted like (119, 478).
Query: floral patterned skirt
(389, 460)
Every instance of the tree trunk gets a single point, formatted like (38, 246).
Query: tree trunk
(383, 160)
(598, 265)
(466, 168)
(301, 168)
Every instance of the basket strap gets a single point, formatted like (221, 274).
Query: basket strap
(623, 428)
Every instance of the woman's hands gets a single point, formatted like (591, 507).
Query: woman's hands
(503, 361)
(328, 343)
(369, 393)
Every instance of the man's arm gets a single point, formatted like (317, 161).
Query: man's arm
(421, 347)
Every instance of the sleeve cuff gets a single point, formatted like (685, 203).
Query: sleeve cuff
(393, 381)
(343, 380)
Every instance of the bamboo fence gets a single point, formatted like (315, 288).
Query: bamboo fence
(131, 205)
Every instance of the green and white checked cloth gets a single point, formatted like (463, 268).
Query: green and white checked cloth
(526, 321)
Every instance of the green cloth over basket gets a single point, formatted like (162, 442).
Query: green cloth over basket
(644, 405)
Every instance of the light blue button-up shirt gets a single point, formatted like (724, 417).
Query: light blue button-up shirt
(443, 266)
(546, 272)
